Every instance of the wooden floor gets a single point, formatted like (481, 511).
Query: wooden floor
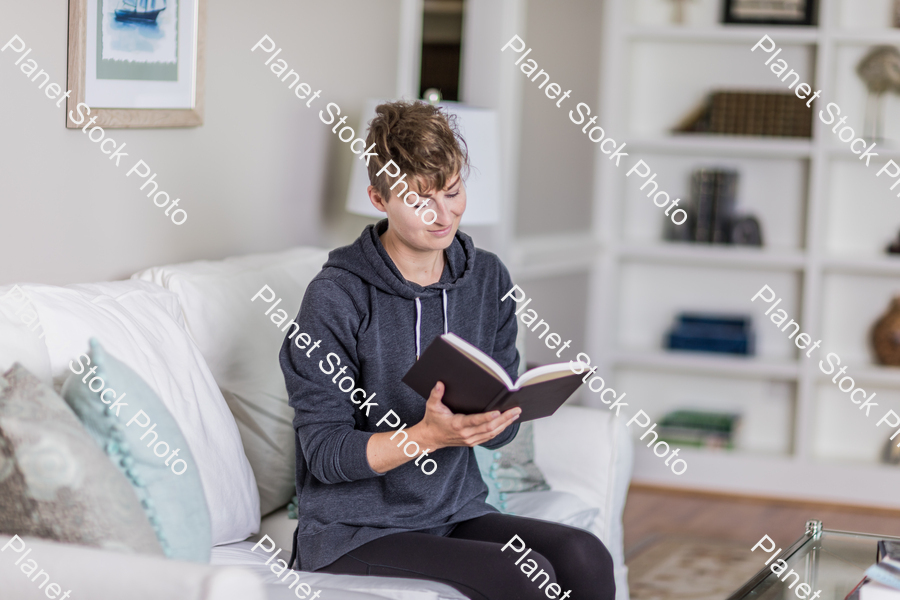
(654, 512)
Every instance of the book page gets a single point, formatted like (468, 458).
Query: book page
(548, 372)
(479, 358)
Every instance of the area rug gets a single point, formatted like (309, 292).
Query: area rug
(677, 568)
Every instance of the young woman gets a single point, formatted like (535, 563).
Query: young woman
(370, 502)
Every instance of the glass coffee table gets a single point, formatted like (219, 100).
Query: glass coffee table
(828, 560)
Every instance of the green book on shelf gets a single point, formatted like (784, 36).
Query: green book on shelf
(700, 429)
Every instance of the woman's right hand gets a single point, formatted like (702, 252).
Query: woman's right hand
(441, 428)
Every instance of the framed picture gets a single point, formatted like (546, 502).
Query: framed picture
(137, 63)
(770, 12)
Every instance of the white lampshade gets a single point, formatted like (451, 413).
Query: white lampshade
(479, 127)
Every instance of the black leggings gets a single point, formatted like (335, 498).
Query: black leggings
(470, 559)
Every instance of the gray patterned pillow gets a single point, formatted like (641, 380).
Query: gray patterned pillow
(55, 482)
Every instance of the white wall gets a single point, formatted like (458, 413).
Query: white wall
(555, 166)
(262, 173)
(556, 163)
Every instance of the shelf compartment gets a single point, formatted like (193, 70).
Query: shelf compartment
(768, 188)
(862, 213)
(851, 305)
(843, 432)
(667, 81)
(700, 15)
(850, 93)
(872, 16)
(651, 296)
(766, 407)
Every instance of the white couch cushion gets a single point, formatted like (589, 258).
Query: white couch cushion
(551, 505)
(94, 574)
(241, 346)
(141, 324)
(342, 587)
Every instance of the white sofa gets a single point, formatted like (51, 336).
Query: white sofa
(581, 451)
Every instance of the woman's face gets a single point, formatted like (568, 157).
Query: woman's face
(448, 205)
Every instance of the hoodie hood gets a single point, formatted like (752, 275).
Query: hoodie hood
(367, 259)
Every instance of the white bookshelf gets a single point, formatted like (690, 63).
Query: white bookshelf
(825, 222)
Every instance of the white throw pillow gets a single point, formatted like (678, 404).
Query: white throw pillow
(241, 344)
(141, 324)
(22, 334)
(559, 507)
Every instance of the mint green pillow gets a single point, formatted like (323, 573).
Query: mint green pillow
(174, 502)
(486, 466)
(511, 469)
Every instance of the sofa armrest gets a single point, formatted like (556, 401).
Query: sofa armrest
(91, 573)
(589, 453)
(586, 452)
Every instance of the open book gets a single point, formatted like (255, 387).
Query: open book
(475, 383)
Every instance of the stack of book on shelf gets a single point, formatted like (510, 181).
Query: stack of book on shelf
(711, 215)
(750, 113)
(882, 581)
(712, 333)
(700, 429)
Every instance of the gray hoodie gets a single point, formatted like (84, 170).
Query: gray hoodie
(376, 322)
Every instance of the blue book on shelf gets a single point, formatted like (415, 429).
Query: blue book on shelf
(712, 333)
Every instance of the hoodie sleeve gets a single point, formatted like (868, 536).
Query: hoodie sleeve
(505, 351)
(325, 421)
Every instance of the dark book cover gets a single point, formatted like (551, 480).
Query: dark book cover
(699, 428)
(889, 549)
(703, 195)
(470, 388)
(683, 232)
(701, 420)
(709, 333)
(723, 207)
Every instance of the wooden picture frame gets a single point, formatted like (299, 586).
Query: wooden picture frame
(755, 12)
(136, 116)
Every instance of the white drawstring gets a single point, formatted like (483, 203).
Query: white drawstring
(446, 321)
(419, 321)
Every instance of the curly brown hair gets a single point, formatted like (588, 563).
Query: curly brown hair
(423, 141)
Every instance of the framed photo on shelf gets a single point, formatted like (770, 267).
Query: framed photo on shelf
(769, 12)
(137, 63)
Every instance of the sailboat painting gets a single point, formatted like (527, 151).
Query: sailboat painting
(138, 63)
(139, 31)
(140, 11)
